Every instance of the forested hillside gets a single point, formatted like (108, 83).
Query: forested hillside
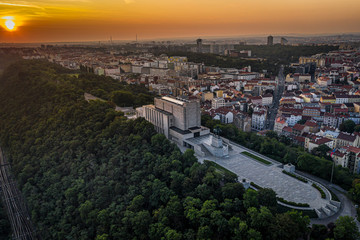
(6, 59)
(89, 173)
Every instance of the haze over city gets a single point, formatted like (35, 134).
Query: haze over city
(94, 20)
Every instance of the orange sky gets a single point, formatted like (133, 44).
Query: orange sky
(81, 20)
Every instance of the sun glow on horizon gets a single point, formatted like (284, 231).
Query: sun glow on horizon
(93, 20)
(9, 23)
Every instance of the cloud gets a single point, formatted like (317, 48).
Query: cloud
(42, 9)
(19, 5)
(20, 10)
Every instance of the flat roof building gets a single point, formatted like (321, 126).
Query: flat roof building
(180, 121)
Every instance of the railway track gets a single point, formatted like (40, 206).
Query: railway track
(22, 227)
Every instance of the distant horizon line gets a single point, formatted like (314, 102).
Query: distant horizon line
(293, 35)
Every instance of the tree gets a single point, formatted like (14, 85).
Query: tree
(355, 190)
(260, 219)
(345, 228)
(306, 162)
(232, 190)
(137, 203)
(122, 98)
(267, 147)
(253, 235)
(267, 198)
(212, 178)
(271, 134)
(357, 128)
(85, 210)
(284, 139)
(192, 210)
(301, 121)
(140, 223)
(291, 156)
(239, 227)
(205, 118)
(251, 199)
(173, 235)
(102, 237)
(319, 232)
(204, 233)
(291, 225)
(347, 126)
(220, 223)
(321, 150)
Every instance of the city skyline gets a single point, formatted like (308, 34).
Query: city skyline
(90, 20)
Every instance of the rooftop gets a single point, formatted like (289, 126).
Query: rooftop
(173, 100)
(347, 137)
(178, 130)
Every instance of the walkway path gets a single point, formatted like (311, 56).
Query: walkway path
(269, 176)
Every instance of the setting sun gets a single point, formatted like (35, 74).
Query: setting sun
(10, 24)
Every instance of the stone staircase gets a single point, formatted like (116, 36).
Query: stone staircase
(204, 150)
(330, 209)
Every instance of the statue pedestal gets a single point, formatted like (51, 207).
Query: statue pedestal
(216, 142)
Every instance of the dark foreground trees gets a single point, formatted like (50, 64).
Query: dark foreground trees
(346, 228)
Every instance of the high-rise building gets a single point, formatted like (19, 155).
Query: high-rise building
(178, 119)
(199, 45)
(270, 40)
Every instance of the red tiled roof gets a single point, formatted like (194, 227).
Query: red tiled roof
(338, 153)
(255, 97)
(287, 129)
(346, 136)
(320, 141)
(310, 123)
(352, 149)
(280, 120)
(315, 108)
(328, 97)
(299, 139)
(298, 127)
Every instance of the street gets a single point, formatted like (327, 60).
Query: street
(270, 121)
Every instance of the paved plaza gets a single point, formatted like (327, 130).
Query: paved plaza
(269, 176)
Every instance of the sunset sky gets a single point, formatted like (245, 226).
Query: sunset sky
(84, 20)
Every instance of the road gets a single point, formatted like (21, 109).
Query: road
(270, 122)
